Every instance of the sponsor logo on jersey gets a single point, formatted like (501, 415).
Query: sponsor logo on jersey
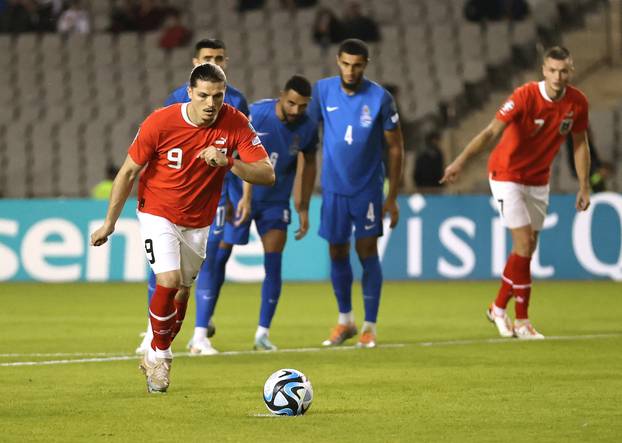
(366, 117)
(565, 126)
(220, 141)
(507, 107)
(395, 118)
(256, 141)
(332, 108)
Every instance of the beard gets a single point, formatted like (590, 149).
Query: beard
(351, 86)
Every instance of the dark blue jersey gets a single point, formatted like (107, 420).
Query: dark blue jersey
(283, 141)
(353, 127)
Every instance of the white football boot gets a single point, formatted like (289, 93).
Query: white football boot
(157, 373)
(201, 346)
(502, 322)
(524, 330)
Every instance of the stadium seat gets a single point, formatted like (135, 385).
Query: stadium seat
(603, 124)
(17, 160)
(43, 157)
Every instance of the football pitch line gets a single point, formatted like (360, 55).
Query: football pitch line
(100, 357)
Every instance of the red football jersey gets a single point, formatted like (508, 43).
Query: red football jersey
(536, 128)
(177, 185)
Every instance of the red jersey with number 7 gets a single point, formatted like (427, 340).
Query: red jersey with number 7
(177, 185)
(536, 128)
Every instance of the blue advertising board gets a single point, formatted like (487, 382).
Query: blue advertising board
(438, 237)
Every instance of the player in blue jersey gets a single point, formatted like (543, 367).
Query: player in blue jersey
(359, 119)
(289, 136)
(208, 51)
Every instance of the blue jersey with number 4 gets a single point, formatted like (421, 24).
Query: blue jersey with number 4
(353, 139)
(283, 142)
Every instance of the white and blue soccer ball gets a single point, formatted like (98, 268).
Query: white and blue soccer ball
(288, 392)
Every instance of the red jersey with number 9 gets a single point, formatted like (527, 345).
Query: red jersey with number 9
(536, 128)
(177, 185)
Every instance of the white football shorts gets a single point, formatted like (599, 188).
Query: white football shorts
(520, 205)
(170, 247)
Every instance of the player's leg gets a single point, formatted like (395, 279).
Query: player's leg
(524, 244)
(203, 326)
(272, 227)
(367, 214)
(148, 334)
(336, 228)
(511, 203)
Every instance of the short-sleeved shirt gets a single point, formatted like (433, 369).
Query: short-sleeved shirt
(536, 128)
(353, 139)
(282, 141)
(176, 184)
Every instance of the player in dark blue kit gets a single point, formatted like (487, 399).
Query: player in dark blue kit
(359, 118)
(289, 136)
(208, 51)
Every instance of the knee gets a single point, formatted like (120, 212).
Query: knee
(339, 252)
(171, 279)
(525, 247)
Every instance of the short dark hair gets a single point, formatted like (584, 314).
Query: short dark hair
(208, 72)
(557, 53)
(299, 84)
(211, 43)
(354, 46)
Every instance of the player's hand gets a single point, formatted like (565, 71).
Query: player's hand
(100, 236)
(303, 217)
(391, 206)
(451, 173)
(242, 212)
(213, 157)
(583, 200)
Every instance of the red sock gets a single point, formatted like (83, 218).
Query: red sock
(522, 286)
(162, 316)
(180, 306)
(505, 291)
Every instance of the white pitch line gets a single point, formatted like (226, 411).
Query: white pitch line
(177, 354)
(112, 357)
(514, 340)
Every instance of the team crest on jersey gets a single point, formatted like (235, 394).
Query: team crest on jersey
(565, 126)
(295, 145)
(507, 107)
(366, 117)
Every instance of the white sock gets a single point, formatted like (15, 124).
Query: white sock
(369, 326)
(261, 331)
(158, 353)
(199, 334)
(346, 319)
(499, 312)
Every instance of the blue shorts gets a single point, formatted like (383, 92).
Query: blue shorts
(340, 213)
(217, 228)
(267, 216)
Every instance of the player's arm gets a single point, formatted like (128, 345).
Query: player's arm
(395, 151)
(121, 188)
(259, 172)
(243, 211)
(582, 166)
(481, 142)
(307, 173)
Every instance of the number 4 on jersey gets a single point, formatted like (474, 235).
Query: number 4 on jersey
(348, 136)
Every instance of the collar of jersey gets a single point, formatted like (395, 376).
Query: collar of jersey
(545, 96)
(184, 114)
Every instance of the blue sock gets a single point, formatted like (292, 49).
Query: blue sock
(372, 284)
(202, 292)
(151, 285)
(341, 276)
(215, 279)
(271, 287)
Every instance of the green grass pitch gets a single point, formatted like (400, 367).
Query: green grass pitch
(445, 376)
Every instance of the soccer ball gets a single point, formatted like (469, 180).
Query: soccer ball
(288, 392)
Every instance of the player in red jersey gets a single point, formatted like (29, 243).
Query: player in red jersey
(183, 151)
(532, 124)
